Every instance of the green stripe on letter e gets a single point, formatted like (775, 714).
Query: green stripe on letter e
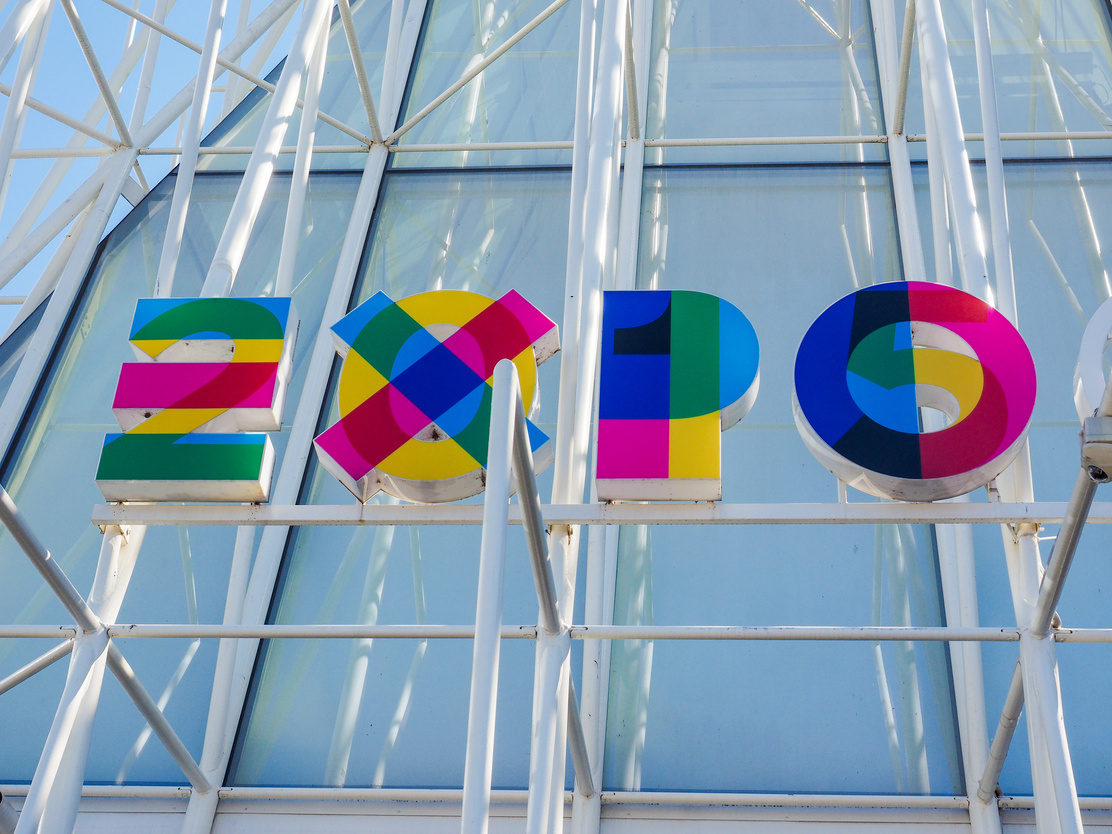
(694, 366)
(177, 457)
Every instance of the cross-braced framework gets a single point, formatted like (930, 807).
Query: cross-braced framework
(617, 130)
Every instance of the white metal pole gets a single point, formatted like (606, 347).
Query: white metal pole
(994, 163)
(256, 176)
(479, 759)
(15, 113)
(903, 186)
(603, 541)
(153, 40)
(599, 235)
(360, 69)
(13, 259)
(191, 140)
(35, 666)
(20, 18)
(299, 182)
(101, 79)
(939, 80)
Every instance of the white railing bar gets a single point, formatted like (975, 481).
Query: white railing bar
(536, 537)
(360, 69)
(345, 631)
(38, 632)
(1050, 592)
(483, 701)
(114, 791)
(243, 150)
(925, 634)
(64, 118)
(777, 800)
(708, 142)
(1086, 803)
(98, 72)
(12, 299)
(1029, 136)
(61, 153)
(905, 67)
(344, 515)
(554, 145)
(154, 717)
(326, 631)
(231, 66)
(470, 74)
(1065, 545)
(1009, 718)
(46, 565)
(35, 666)
(445, 795)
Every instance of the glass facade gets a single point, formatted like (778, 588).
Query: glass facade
(763, 175)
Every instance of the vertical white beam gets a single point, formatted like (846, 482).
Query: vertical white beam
(939, 77)
(903, 186)
(479, 758)
(592, 237)
(299, 182)
(183, 182)
(603, 541)
(994, 164)
(256, 176)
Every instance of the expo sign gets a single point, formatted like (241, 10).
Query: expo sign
(677, 368)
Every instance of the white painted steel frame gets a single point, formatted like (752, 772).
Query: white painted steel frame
(595, 155)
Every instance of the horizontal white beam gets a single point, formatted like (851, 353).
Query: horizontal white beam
(764, 140)
(928, 634)
(347, 515)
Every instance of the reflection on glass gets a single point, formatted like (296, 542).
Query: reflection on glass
(733, 70)
(394, 712)
(339, 98)
(178, 578)
(1053, 72)
(780, 716)
(527, 95)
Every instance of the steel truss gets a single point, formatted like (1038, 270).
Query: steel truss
(620, 33)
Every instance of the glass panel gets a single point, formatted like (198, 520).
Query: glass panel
(1053, 72)
(733, 70)
(51, 476)
(395, 712)
(15, 345)
(339, 98)
(1060, 216)
(779, 716)
(781, 243)
(527, 95)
